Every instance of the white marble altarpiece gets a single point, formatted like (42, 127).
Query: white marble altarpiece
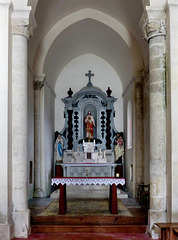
(91, 156)
(89, 163)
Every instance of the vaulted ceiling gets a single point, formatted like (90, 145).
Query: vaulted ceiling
(68, 29)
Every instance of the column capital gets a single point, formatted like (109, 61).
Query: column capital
(22, 28)
(23, 22)
(38, 81)
(153, 23)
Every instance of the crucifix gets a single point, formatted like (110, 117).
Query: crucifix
(89, 75)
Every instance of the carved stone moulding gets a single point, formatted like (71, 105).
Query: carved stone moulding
(22, 28)
(153, 23)
(38, 81)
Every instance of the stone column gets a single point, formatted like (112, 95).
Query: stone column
(20, 213)
(139, 130)
(38, 84)
(153, 25)
(6, 225)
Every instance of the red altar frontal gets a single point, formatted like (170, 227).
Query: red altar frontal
(112, 181)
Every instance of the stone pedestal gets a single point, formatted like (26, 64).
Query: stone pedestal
(22, 223)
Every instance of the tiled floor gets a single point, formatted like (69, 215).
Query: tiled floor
(87, 236)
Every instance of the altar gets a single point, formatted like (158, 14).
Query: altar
(89, 163)
(89, 169)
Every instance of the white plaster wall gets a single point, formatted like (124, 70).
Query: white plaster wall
(73, 75)
(5, 120)
(30, 138)
(129, 153)
(47, 140)
(172, 100)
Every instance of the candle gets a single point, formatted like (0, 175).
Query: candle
(72, 153)
(99, 151)
(117, 174)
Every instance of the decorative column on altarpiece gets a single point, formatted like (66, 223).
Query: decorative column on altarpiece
(108, 129)
(153, 26)
(21, 32)
(38, 81)
(70, 130)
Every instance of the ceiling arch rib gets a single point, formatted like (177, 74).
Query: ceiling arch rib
(93, 37)
(77, 16)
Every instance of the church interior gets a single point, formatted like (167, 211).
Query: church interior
(88, 102)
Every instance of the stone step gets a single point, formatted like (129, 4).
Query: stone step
(88, 228)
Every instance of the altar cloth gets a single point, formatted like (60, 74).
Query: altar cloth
(88, 181)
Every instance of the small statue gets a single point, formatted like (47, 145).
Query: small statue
(89, 124)
(59, 149)
(118, 148)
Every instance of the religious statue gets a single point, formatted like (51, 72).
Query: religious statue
(59, 149)
(118, 148)
(89, 125)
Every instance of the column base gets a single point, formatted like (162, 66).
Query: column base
(155, 216)
(21, 223)
(38, 193)
(6, 231)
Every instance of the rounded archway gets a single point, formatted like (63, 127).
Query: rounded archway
(90, 17)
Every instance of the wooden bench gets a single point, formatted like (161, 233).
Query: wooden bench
(143, 195)
(169, 231)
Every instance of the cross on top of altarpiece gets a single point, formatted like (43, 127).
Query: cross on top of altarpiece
(89, 75)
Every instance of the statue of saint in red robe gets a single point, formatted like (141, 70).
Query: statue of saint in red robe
(89, 125)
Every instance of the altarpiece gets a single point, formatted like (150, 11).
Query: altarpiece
(86, 155)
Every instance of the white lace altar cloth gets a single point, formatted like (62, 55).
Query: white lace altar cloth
(88, 181)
